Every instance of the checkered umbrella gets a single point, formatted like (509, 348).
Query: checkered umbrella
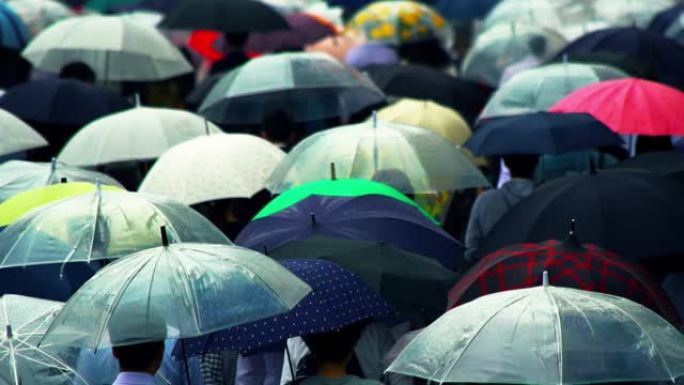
(585, 267)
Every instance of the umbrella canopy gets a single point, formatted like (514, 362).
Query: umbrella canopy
(408, 158)
(584, 267)
(400, 22)
(633, 213)
(629, 106)
(508, 44)
(368, 217)
(23, 362)
(539, 88)
(61, 102)
(666, 18)
(18, 175)
(103, 225)
(116, 48)
(458, 10)
(338, 298)
(17, 136)
(225, 16)
(337, 46)
(103, 6)
(666, 163)
(542, 133)
(304, 29)
(551, 335)
(637, 13)
(425, 83)
(372, 53)
(15, 207)
(138, 134)
(213, 167)
(414, 285)
(13, 32)
(174, 291)
(39, 14)
(308, 86)
(640, 53)
(426, 114)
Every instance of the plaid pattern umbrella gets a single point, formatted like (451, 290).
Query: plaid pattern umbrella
(585, 267)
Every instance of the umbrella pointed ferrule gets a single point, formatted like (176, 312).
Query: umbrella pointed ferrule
(164, 236)
(573, 226)
(53, 164)
(565, 58)
(545, 279)
(313, 219)
(8, 331)
(137, 100)
(375, 119)
(333, 173)
(63, 180)
(98, 187)
(592, 166)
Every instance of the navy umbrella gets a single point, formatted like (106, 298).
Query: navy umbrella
(666, 18)
(370, 218)
(224, 16)
(338, 298)
(641, 53)
(666, 163)
(542, 133)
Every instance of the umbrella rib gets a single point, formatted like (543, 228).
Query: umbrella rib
(195, 303)
(559, 335)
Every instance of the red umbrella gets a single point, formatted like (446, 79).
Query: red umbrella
(569, 264)
(630, 106)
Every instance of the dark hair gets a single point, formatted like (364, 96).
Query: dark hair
(78, 71)
(278, 126)
(140, 357)
(335, 346)
(521, 166)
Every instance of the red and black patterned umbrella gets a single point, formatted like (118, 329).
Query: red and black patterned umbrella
(585, 267)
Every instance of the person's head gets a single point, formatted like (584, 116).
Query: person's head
(278, 127)
(653, 143)
(143, 358)
(521, 166)
(235, 40)
(537, 46)
(78, 71)
(137, 334)
(334, 347)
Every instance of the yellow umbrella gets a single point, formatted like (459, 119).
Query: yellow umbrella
(19, 204)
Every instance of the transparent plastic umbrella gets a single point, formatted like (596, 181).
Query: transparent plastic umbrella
(545, 335)
(507, 44)
(18, 175)
(538, 89)
(213, 167)
(22, 362)
(40, 14)
(17, 135)
(141, 133)
(411, 159)
(174, 291)
(631, 12)
(100, 226)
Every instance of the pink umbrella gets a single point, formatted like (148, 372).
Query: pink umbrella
(630, 106)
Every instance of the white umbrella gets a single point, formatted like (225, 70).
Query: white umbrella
(17, 135)
(141, 133)
(213, 167)
(116, 48)
(40, 14)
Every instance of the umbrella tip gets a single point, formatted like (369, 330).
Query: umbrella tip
(8, 331)
(375, 119)
(592, 166)
(164, 236)
(265, 250)
(545, 279)
(53, 164)
(571, 242)
(573, 225)
(137, 100)
(63, 180)
(333, 173)
(313, 219)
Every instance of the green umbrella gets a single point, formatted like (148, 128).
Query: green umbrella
(540, 88)
(174, 291)
(336, 188)
(545, 335)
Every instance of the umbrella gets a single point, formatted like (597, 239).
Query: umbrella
(16, 206)
(459, 10)
(338, 298)
(367, 217)
(308, 86)
(508, 44)
(304, 29)
(213, 167)
(584, 267)
(100, 226)
(426, 114)
(540, 133)
(409, 158)
(13, 32)
(666, 18)
(337, 46)
(17, 136)
(414, 285)
(225, 16)
(61, 102)
(174, 291)
(371, 53)
(633, 213)
(18, 175)
(116, 48)
(550, 335)
(138, 134)
(539, 88)
(638, 13)
(39, 14)
(629, 106)
(666, 163)
(400, 22)
(425, 83)
(23, 362)
(638, 52)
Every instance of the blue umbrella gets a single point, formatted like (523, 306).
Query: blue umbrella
(369, 218)
(13, 32)
(457, 10)
(338, 298)
(666, 18)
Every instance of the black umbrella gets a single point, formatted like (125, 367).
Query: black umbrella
(420, 82)
(666, 18)
(416, 286)
(666, 163)
(641, 53)
(542, 133)
(636, 214)
(225, 16)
